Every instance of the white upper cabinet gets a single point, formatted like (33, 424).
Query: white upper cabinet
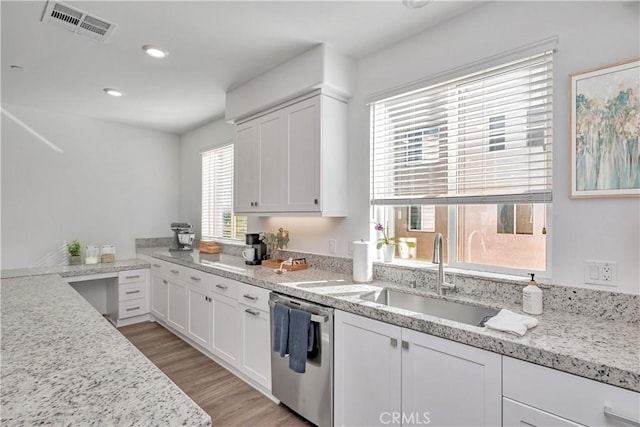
(293, 160)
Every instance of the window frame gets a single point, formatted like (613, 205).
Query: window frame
(415, 149)
(234, 218)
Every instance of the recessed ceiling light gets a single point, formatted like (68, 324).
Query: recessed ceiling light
(112, 92)
(415, 4)
(154, 51)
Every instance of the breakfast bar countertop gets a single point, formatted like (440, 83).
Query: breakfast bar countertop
(594, 348)
(64, 364)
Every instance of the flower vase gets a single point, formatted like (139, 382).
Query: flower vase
(388, 252)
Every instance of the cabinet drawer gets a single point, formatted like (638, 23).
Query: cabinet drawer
(159, 266)
(132, 276)
(568, 396)
(132, 308)
(196, 278)
(132, 291)
(253, 296)
(515, 414)
(224, 286)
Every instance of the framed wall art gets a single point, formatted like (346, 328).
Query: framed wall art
(605, 123)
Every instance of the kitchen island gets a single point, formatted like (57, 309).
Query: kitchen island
(64, 364)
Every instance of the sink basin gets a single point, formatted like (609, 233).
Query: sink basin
(456, 311)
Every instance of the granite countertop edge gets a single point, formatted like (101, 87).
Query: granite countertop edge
(527, 348)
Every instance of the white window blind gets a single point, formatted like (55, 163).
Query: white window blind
(217, 196)
(482, 138)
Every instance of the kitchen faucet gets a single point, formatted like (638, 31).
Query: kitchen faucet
(441, 285)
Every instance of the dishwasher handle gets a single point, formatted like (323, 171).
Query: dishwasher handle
(318, 318)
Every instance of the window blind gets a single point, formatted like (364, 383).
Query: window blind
(482, 138)
(217, 196)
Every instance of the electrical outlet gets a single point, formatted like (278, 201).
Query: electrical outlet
(600, 273)
(332, 246)
(350, 248)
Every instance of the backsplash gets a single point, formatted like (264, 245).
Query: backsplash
(499, 291)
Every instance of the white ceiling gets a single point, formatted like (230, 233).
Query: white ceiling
(213, 45)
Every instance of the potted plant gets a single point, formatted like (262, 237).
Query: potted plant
(275, 241)
(74, 249)
(388, 244)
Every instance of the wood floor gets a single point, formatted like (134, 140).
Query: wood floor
(226, 398)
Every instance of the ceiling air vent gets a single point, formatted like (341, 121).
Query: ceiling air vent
(78, 21)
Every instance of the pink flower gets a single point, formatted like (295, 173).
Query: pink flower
(379, 227)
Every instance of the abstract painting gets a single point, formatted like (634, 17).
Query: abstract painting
(605, 123)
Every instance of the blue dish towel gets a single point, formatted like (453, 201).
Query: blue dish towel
(301, 338)
(281, 329)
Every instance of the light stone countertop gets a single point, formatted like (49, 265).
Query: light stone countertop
(603, 350)
(76, 270)
(64, 364)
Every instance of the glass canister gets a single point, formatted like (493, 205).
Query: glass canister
(91, 255)
(108, 254)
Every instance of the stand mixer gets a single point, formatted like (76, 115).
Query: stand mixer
(182, 237)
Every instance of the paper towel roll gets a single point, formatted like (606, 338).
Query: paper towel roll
(362, 262)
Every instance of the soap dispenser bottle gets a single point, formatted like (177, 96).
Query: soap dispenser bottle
(532, 297)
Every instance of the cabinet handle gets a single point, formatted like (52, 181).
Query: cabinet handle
(207, 298)
(157, 265)
(254, 313)
(196, 278)
(394, 342)
(251, 297)
(132, 277)
(175, 271)
(405, 345)
(609, 413)
(132, 292)
(315, 201)
(165, 282)
(223, 287)
(133, 308)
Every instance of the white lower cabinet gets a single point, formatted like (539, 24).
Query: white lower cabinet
(256, 351)
(227, 327)
(449, 383)
(367, 371)
(159, 295)
(225, 318)
(387, 375)
(199, 315)
(177, 306)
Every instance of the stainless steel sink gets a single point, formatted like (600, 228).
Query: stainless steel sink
(456, 311)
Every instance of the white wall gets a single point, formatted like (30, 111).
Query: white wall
(591, 34)
(191, 145)
(111, 184)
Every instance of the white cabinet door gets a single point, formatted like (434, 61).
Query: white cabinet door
(516, 414)
(159, 295)
(449, 383)
(246, 167)
(256, 349)
(227, 328)
(303, 154)
(199, 315)
(367, 376)
(177, 306)
(272, 162)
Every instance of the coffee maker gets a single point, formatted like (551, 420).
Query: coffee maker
(253, 239)
(182, 237)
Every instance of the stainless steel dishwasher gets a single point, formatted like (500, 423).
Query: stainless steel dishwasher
(309, 394)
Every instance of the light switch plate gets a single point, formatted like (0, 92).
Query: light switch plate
(332, 246)
(603, 273)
